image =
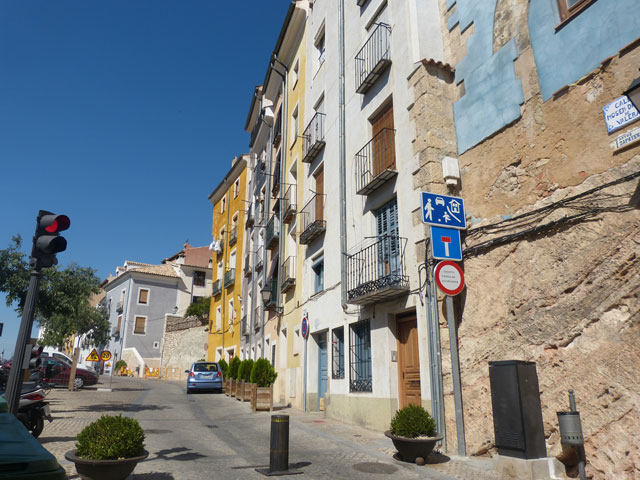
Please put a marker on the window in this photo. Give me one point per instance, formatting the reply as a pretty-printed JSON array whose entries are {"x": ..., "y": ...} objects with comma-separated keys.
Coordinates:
[
  {"x": 296, "y": 341},
  {"x": 143, "y": 296},
  {"x": 569, "y": 8},
  {"x": 156, "y": 344},
  {"x": 119, "y": 323},
  {"x": 236, "y": 188},
  {"x": 318, "y": 273},
  {"x": 295, "y": 72},
  {"x": 337, "y": 353},
  {"x": 218, "y": 317},
  {"x": 360, "y": 357},
  {"x": 389, "y": 259},
  {"x": 198, "y": 278},
  {"x": 273, "y": 354},
  {"x": 140, "y": 327},
  {"x": 232, "y": 312},
  {"x": 195, "y": 298},
  {"x": 320, "y": 47},
  {"x": 381, "y": 15},
  {"x": 223, "y": 204},
  {"x": 294, "y": 125}
]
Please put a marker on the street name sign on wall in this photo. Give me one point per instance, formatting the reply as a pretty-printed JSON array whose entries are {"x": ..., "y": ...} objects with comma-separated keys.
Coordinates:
[
  {"x": 449, "y": 277},
  {"x": 619, "y": 113},
  {"x": 628, "y": 139},
  {"x": 443, "y": 211},
  {"x": 445, "y": 243}
]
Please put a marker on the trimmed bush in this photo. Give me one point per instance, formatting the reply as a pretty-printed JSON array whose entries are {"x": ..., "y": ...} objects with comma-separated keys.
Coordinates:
[
  {"x": 224, "y": 366},
  {"x": 200, "y": 308},
  {"x": 263, "y": 374},
  {"x": 413, "y": 421},
  {"x": 120, "y": 364},
  {"x": 244, "y": 372},
  {"x": 111, "y": 438},
  {"x": 234, "y": 365}
]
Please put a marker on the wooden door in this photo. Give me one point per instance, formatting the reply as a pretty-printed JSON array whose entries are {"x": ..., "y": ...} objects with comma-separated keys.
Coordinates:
[
  {"x": 383, "y": 147},
  {"x": 408, "y": 363},
  {"x": 320, "y": 195}
]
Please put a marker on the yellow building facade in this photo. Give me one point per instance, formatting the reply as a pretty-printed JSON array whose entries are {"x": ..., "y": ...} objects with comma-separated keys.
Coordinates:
[{"x": 229, "y": 215}]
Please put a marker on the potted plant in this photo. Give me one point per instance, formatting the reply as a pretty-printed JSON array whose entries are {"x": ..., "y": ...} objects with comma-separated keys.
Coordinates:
[
  {"x": 234, "y": 365},
  {"x": 120, "y": 364},
  {"x": 244, "y": 377},
  {"x": 262, "y": 377},
  {"x": 223, "y": 368},
  {"x": 413, "y": 433},
  {"x": 108, "y": 449}
]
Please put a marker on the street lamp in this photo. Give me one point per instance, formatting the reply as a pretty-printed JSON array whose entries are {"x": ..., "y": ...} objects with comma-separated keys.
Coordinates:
[
  {"x": 266, "y": 295},
  {"x": 633, "y": 93}
]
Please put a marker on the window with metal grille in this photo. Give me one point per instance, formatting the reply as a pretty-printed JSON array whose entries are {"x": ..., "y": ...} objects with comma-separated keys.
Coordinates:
[
  {"x": 360, "y": 357},
  {"x": 337, "y": 353}
]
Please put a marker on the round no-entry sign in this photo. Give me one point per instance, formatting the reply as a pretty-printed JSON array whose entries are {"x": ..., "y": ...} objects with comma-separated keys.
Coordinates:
[
  {"x": 305, "y": 325},
  {"x": 449, "y": 277}
]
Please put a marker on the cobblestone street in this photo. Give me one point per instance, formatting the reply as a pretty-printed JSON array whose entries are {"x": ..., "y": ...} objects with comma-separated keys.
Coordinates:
[{"x": 214, "y": 436}]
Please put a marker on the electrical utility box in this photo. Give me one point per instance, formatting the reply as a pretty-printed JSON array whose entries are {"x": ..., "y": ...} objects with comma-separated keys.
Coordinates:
[{"x": 517, "y": 413}]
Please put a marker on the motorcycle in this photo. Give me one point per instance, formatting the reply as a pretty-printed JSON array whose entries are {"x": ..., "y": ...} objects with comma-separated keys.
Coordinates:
[{"x": 32, "y": 408}]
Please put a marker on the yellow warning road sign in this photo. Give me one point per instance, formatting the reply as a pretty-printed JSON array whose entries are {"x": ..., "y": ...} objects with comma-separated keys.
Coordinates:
[
  {"x": 93, "y": 356},
  {"x": 105, "y": 356}
]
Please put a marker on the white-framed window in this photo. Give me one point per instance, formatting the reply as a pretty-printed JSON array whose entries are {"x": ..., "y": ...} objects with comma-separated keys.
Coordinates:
[
  {"x": 294, "y": 125},
  {"x": 232, "y": 259},
  {"x": 319, "y": 43},
  {"x": 143, "y": 296},
  {"x": 296, "y": 341},
  {"x": 223, "y": 204},
  {"x": 273, "y": 354},
  {"x": 236, "y": 188},
  {"x": 381, "y": 15},
  {"x": 218, "y": 317},
  {"x": 140, "y": 325},
  {"x": 232, "y": 312},
  {"x": 231, "y": 352},
  {"x": 156, "y": 344},
  {"x": 218, "y": 354},
  {"x": 295, "y": 73},
  {"x": 317, "y": 266}
]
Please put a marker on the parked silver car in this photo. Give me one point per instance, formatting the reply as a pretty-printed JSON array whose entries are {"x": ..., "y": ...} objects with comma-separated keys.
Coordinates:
[{"x": 204, "y": 376}]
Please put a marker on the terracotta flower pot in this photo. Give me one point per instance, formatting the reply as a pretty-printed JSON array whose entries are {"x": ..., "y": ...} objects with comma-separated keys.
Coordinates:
[
  {"x": 411, "y": 448},
  {"x": 104, "y": 469}
]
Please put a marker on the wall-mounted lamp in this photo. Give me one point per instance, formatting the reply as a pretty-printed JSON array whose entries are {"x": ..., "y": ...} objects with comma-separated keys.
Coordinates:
[{"x": 633, "y": 93}]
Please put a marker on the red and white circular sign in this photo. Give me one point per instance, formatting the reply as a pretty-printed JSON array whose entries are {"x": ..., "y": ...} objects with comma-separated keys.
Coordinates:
[{"x": 449, "y": 277}]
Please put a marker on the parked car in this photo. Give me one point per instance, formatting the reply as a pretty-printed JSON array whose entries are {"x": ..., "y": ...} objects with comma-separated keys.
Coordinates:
[
  {"x": 204, "y": 376},
  {"x": 65, "y": 359},
  {"x": 56, "y": 372}
]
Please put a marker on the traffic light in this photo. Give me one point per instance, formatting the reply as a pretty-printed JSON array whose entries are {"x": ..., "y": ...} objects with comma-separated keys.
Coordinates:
[{"x": 47, "y": 240}]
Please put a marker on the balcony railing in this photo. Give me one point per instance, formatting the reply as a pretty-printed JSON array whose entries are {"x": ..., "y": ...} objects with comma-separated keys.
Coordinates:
[
  {"x": 373, "y": 58},
  {"x": 250, "y": 216},
  {"x": 256, "y": 128},
  {"x": 313, "y": 223},
  {"x": 119, "y": 307},
  {"x": 289, "y": 204},
  {"x": 229, "y": 277},
  {"x": 273, "y": 232},
  {"x": 272, "y": 303},
  {"x": 377, "y": 272},
  {"x": 259, "y": 263},
  {"x": 376, "y": 162},
  {"x": 217, "y": 287},
  {"x": 288, "y": 274},
  {"x": 313, "y": 137},
  {"x": 244, "y": 326},
  {"x": 247, "y": 265},
  {"x": 233, "y": 235}
]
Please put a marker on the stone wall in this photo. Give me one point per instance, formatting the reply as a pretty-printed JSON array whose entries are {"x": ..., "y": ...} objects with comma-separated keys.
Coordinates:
[
  {"x": 185, "y": 341},
  {"x": 566, "y": 296}
]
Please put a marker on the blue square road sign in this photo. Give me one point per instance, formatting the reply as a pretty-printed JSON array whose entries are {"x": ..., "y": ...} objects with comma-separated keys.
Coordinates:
[
  {"x": 443, "y": 211},
  {"x": 445, "y": 243}
]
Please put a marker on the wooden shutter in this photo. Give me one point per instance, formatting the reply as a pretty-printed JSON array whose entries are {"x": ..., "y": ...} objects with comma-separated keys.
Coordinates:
[
  {"x": 143, "y": 296},
  {"x": 320, "y": 195},
  {"x": 383, "y": 148},
  {"x": 140, "y": 325}
]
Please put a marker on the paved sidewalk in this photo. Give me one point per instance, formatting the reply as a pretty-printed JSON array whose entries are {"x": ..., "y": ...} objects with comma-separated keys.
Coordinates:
[{"x": 334, "y": 449}]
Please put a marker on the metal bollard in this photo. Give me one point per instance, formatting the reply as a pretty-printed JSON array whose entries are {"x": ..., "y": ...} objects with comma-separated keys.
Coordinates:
[
  {"x": 571, "y": 434},
  {"x": 279, "y": 453}
]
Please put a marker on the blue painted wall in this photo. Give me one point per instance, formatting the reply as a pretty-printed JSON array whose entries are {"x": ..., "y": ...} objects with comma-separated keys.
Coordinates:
[
  {"x": 493, "y": 94},
  {"x": 579, "y": 47}
]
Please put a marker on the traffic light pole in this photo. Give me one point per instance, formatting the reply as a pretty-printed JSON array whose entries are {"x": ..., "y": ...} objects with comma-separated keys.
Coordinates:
[{"x": 14, "y": 384}]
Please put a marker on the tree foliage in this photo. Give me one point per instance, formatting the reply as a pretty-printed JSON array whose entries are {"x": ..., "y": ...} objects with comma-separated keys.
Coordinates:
[
  {"x": 200, "y": 308},
  {"x": 63, "y": 304}
]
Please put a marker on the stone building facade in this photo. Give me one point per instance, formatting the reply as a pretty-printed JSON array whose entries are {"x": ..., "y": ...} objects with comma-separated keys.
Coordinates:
[{"x": 551, "y": 253}]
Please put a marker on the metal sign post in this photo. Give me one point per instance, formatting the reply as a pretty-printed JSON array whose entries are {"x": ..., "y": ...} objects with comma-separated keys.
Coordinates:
[{"x": 455, "y": 374}]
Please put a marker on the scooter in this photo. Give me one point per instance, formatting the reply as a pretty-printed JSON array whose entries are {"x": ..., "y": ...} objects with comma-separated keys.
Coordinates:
[{"x": 32, "y": 409}]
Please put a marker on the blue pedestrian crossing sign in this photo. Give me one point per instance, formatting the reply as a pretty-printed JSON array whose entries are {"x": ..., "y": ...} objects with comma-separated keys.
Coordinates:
[
  {"x": 443, "y": 211},
  {"x": 445, "y": 243}
]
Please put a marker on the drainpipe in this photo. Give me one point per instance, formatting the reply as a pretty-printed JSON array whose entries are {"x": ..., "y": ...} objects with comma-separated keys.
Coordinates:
[{"x": 342, "y": 158}]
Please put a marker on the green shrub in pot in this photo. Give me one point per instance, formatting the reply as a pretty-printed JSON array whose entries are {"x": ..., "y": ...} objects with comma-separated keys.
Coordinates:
[
  {"x": 413, "y": 421},
  {"x": 111, "y": 438},
  {"x": 263, "y": 374}
]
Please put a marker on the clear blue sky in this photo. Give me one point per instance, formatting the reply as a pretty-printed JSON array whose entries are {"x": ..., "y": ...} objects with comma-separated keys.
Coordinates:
[{"x": 124, "y": 115}]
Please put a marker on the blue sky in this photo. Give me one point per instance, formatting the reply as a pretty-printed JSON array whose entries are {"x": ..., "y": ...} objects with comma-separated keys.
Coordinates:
[{"x": 124, "y": 115}]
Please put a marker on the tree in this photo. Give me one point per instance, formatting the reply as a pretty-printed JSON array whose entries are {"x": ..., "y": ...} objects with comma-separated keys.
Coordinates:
[
  {"x": 62, "y": 306},
  {"x": 199, "y": 308}
]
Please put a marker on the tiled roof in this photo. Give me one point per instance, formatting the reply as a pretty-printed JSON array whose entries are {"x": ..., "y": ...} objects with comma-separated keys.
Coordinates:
[
  {"x": 197, "y": 256},
  {"x": 161, "y": 270}
]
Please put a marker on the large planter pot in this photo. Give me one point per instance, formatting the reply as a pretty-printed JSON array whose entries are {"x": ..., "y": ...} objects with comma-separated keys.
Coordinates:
[
  {"x": 261, "y": 398},
  {"x": 248, "y": 391},
  {"x": 240, "y": 391},
  {"x": 233, "y": 387},
  {"x": 411, "y": 448},
  {"x": 104, "y": 469}
]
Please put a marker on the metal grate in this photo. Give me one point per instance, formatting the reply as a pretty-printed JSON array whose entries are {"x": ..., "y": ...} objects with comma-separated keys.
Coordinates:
[
  {"x": 376, "y": 162},
  {"x": 313, "y": 137},
  {"x": 337, "y": 353},
  {"x": 360, "y": 357},
  {"x": 373, "y": 58}
]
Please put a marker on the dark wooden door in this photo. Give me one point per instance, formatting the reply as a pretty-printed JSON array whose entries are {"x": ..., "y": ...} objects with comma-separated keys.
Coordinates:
[
  {"x": 408, "y": 363},
  {"x": 383, "y": 148}
]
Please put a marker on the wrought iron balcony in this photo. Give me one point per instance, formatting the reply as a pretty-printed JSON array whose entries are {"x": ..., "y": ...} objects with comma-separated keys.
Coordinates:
[
  {"x": 272, "y": 303},
  {"x": 273, "y": 232},
  {"x": 377, "y": 272},
  {"x": 256, "y": 128},
  {"x": 250, "y": 216},
  {"x": 376, "y": 162},
  {"x": 313, "y": 137},
  {"x": 288, "y": 274},
  {"x": 373, "y": 58},
  {"x": 119, "y": 307},
  {"x": 289, "y": 206},
  {"x": 217, "y": 287},
  {"x": 233, "y": 235},
  {"x": 247, "y": 265},
  {"x": 277, "y": 130},
  {"x": 259, "y": 263},
  {"x": 229, "y": 277},
  {"x": 313, "y": 223}
]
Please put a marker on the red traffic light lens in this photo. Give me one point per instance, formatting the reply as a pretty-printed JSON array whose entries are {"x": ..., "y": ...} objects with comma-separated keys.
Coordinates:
[{"x": 56, "y": 223}]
